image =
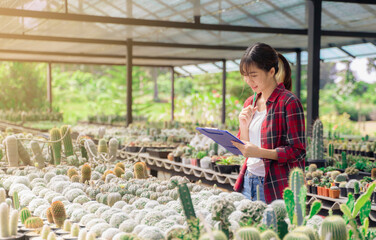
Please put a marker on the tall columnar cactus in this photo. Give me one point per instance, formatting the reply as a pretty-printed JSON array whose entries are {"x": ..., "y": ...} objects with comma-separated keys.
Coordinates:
[
  {"x": 83, "y": 149},
  {"x": 56, "y": 146},
  {"x": 23, "y": 153},
  {"x": 186, "y": 201},
  {"x": 317, "y": 146},
  {"x": 356, "y": 187},
  {"x": 3, "y": 195},
  {"x": 139, "y": 170},
  {"x": 331, "y": 150},
  {"x": 4, "y": 220},
  {"x": 67, "y": 225},
  {"x": 45, "y": 231},
  {"x": 101, "y": 132},
  {"x": 11, "y": 145},
  {"x": 279, "y": 208},
  {"x": 102, "y": 146},
  {"x": 296, "y": 183},
  {"x": 16, "y": 201},
  {"x": 67, "y": 140},
  {"x": 86, "y": 172},
  {"x": 334, "y": 226},
  {"x": 58, "y": 213},
  {"x": 24, "y": 215},
  {"x": 34, "y": 222},
  {"x": 247, "y": 233},
  {"x": 269, "y": 235},
  {"x": 344, "y": 160},
  {"x": 113, "y": 146},
  {"x": 38, "y": 156},
  {"x": 270, "y": 218},
  {"x": 91, "y": 148}
]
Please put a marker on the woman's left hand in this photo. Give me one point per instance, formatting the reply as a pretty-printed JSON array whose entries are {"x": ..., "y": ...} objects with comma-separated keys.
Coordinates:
[{"x": 248, "y": 149}]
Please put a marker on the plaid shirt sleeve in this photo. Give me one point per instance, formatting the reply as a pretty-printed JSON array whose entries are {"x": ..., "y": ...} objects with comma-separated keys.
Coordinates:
[{"x": 295, "y": 135}]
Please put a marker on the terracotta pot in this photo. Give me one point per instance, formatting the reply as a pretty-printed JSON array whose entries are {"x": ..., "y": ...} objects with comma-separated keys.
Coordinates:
[
  {"x": 319, "y": 190},
  {"x": 325, "y": 192},
  {"x": 170, "y": 157},
  {"x": 334, "y": 193}
]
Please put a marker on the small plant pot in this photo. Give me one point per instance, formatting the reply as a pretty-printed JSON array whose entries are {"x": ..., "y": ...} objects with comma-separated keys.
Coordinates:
[
  {"x": 374, "y": 197},
  {"x": 356, "y": 196},
  {"x": 198, "y": 162},
  {"x": 357, "y": 152},
  {"x": 334, "y": 193},
  {"x": 309, "y": 188},
  {"x": 326, "y": 192},
  {"x": 343, "y": 191},
  {"x": 225, "y": 169},
  {"x": 213, "y": 166},
  {"x": 132, "y": 149},
  {"x": 336, "y": 151},
  {"x": 177, "y": 159},
  {"x": 319, "y": 190},
  {"x": 314, "y": 189},
  {"x": 350, "y": 190},
  {"x": 194, "y": 161},
  {"x": 337, "y": 184}
]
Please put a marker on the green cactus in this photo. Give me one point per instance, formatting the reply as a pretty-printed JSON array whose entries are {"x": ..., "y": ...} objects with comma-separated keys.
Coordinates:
[
  {"x": 269, "y": 235},
  {"x": 279, "y": 208},
  {"x": 341, "y": 178},
  {"x": 308, "y": 231},
  {"x": 38, "y": 156},
  {"x": 86, "y": 173},
  {"x": 67, "y": 140},
  {"x": 34, "y": 222},
  {"x": 56, "y": 146},
  {"x": 315, "y": 209},
  {"x": 356, "y": 187},
  {"x": 312, "y": 168},
  {"x": 215, "y": 235},
  {"x": 140, "y": 170},
  {"x": 270, "y": 218},
  {"x": 317, "y": 145},
  {"x": 24, "y": 215},
  {"x": 296, "y": 236},
  {"x": 186, "y": 201},
  {"x": 246, "y": 233},
  {"x": 58, "y": 213},
  {"x": 23, "y": 153},
  {"x": 344, "y": 160},
  {"x": 296, "y": 183},
  {"x": 113, "y": 146},
  {"x": 16, "y": 201},
  {"x": 334, "y": 226},
  {"x": 102, "y": 146}
]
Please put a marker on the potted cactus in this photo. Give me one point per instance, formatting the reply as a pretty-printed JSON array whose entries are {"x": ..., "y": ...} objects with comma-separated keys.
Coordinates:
[
  {"x": 352, "y": 172},
  {"x": 315, "y": 181},
  {"x": 343, "y": 189},
  {"x": 356, "y": 190},
  {"x": 334, "y": 192},
  {"x": 317, "y": 145}
]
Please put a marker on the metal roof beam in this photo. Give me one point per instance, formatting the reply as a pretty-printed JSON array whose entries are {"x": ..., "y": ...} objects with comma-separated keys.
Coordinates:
[{"x": 353, "y": 1}]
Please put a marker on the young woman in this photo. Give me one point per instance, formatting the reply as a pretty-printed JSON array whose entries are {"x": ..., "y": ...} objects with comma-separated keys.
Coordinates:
[{"x": 273, "y": 130}]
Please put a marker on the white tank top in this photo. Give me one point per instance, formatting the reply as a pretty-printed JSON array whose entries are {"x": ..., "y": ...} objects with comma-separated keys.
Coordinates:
[{"x": 256, "y": 165}]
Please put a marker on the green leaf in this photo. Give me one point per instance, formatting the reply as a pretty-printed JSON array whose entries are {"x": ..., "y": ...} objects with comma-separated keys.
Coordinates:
[
  {"x": 288, "y": 196},
  {"x": 346, "y": 210},
  {"x": 365, "y": 211},
  {"x": 362, "y": 200},
  {"x": 350, "y": 201}
]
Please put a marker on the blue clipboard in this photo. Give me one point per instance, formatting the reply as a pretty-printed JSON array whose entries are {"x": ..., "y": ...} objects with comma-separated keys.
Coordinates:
[{"x": 223, "y": 138}]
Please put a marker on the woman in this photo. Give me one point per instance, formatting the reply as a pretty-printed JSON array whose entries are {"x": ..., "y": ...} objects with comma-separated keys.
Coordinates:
[{"x": 273, "y": 130}]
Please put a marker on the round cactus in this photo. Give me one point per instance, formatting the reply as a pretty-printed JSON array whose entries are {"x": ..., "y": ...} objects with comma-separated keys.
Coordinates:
[
  {"x": 246, "y": 233},
  {"x": 140, "y": 170},
  {"x": 34, "y": 222},
  {"x": 24, "y": 215},
  {"x": 269, "y": 235},
  {"x": 102, "y": 146},
  {"x": 307, "y": 231},
  {"x": 71, "y": 172},
  {"x": 50, "y": 218},
  {"x": 118, "y": 171},
  {"x": 334, "y": 226},
  {"x": 58, "y": 213},
  {"x": 216, "y": 235},
  {"x": 12, "y": 150}
]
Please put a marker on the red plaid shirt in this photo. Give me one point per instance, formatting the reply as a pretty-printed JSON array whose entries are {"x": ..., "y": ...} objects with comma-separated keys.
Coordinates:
[{"x": 284, "y": 130}]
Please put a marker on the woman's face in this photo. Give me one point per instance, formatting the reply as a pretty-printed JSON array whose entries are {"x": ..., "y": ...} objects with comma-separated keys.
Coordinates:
[{"x": 258, "y": 79}]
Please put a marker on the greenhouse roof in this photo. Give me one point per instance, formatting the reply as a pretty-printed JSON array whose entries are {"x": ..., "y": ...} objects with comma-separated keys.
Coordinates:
[{"x": 193, "y": 35}]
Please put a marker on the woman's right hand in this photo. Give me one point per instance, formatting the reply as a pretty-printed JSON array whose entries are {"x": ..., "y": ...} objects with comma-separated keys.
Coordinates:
[{"x": 245, "y": 116}]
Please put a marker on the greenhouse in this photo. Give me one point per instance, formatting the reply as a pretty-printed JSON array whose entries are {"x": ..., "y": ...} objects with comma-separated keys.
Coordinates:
[{"x": 199, "y": 119}]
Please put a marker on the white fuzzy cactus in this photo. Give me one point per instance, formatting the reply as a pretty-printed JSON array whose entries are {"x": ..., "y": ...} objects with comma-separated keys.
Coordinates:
[
  {"x": 38, "y": 156},
  {"x": 75, "y": 230},
  {"x": 113, "y": 146},
  {"x": 4, "y": 220},
  {"x": 12, "y": 150},
  {"x": 101, "y": 132},
  {"x": 3, "y": 195},
  {"x": 67, "y": 225},
  {"x": 51, "y": 236},
  {"x": 45, "y": 232},
  {"x": 13, "y": 223},
  {"x": 82, "y": 235},
  {"x": 90, "y": 236},
  {"x": 91, "y": 149}
]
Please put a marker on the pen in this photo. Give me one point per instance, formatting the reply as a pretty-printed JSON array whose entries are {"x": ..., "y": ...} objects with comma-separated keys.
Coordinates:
[{"x": 254, "y": 99}]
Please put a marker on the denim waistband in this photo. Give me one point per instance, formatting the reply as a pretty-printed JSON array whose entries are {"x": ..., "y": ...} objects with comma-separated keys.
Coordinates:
[{"x": 250, "y": 175}]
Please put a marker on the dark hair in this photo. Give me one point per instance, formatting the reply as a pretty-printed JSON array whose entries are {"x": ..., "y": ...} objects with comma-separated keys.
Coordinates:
[{"x": 265, "y": 58}]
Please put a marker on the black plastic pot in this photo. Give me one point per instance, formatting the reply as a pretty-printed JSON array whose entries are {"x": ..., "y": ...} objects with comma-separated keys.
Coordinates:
[
  {"x": 314, "y": 190},
  {"x": 198, "y": 162},
  {"x": 356, "y": 196},
  {"x": 353, "y": 176},
  {"x": 177, "y": 159},
  {"x": 225, "y": 169},
  {"x": 337, "y": 184},
  {"x": 374, "y": 197},
  {"x": 343, "y": 191},
  {"x": 319, "y": 163},
  {"x": 213, "y": 166},
  {"x": 336, "y": 151},
  {"x": 370, "y": 154},
  {"x": 309, "y": 188},
  {"x": 350, "y": 190}
]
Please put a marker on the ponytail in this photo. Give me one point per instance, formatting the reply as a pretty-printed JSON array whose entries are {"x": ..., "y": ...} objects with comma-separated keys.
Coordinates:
[{"x": 284, "y": 72}]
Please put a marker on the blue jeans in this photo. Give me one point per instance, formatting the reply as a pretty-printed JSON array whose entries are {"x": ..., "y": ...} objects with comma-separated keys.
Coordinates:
[{"x": 250, "y": 187}]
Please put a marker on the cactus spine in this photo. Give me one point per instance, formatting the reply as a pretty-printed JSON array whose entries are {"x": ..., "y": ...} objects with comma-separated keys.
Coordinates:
[
  {"x": 16, "y": 201},
  {"x": 331, "y": 150},
  {"x": 118, "y": 171},
  {"x": 58, "y": 213},
  {"x": 86, "y": 172},
  {"x": 56, "y": 146},
  {"x": 334, "y": 226},
  {"x": 82, "y": 235},
  {"x": 344, "y": 160},
  {"x": 4, "y": 220},
  {"x": 50, "y": 218},
  {"x": 296, "y": 236},
  {"x": 113, "y": 146},
  {"x": 23, "y": 153},
  {"x": 13, "y": 223},
  {"x": 270, "y": 218},
  {"x": 24, "y": 215},
  {"x": 306, "y": 231},
  {"x": 356, "y": 187},
  {"x": 71, "y": 172},
  {"x": 38, "y": 156},
  {"x": 67, "y": 140},
  {"x": 317, "y": 145},
  {"x": 34, "y": 222},
  {"x": 186, "y": 201},
  {"x": 139, "y": 170},
  {"x": 12, "y": 150},
  {"x": 296, "y": 183},
  {"x": 246, "y": 233},
  {"x": 102, "y": 146}
]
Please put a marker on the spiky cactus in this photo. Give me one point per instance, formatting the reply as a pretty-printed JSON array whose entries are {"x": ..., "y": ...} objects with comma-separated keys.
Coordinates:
[
  {"x": 91, "y": 148},
  {"x": 83, "y": 149},
  {"x": 50, "y": 218},
  {"x": 317, "y": 145},
  {"x": 82, "y": 234},
  {"x": 356, "y": 187},
  {"x": 120, "y": 165},
  {"x": 335, "y": 227},
  {"x": 86, "y": 172},
  {"x": 308, "y": 231},
  {"x": 118, "y": 171},
  {"x": 75, "y": 178},
  {"x": 4, "y": 220},
  {"x": 58, "y": 213},
  {"x": 67, "y": 225},
  {"x": 270, "y": 218},
  {"x": 215, "y": 235},
  {"x": 331, "y": 150},
  {"x": 344, "y": 160},
  {"x": 67, "y": 140},
  {"x": 24, "y": 215},
  {"x": 16, "y": 200},
  {"x": 139, "y": 170},
  {"x": 11, "y": 145},
  {"x": 71, "y": 172},
  {"x": 23, "y": 153},
  {"x": 56, "y": 146},
  {"x": 269, "y": 235},
  {"x": 296, "y": 183},
  {"x": 247, "y": 233},
  {"x": 3, "y": 195},
  {"x": 102, "y": 146},
  {"x": 113, "y": 198},
  {"x": 296, "y": 236},
  {"x": 101, "y": 132},
  {"x": 279, "y": 208},
  {"x": 38, "y": 156},
  {"x": 51, "y": 236},
  {"x": 113, "y": 146},
  {"x": 34, "y": 222}
]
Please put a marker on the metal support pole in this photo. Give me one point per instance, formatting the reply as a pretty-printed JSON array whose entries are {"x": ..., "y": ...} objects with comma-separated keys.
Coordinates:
[
  {"x": 129, "y": 82},
  {"x": 314, "y": 44},
  {"x": 224, "y": 92},
  {"x": 49, "y": 86},
  {"x": 298, "y": 82},
  {"x": 172, "y": 93}
]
